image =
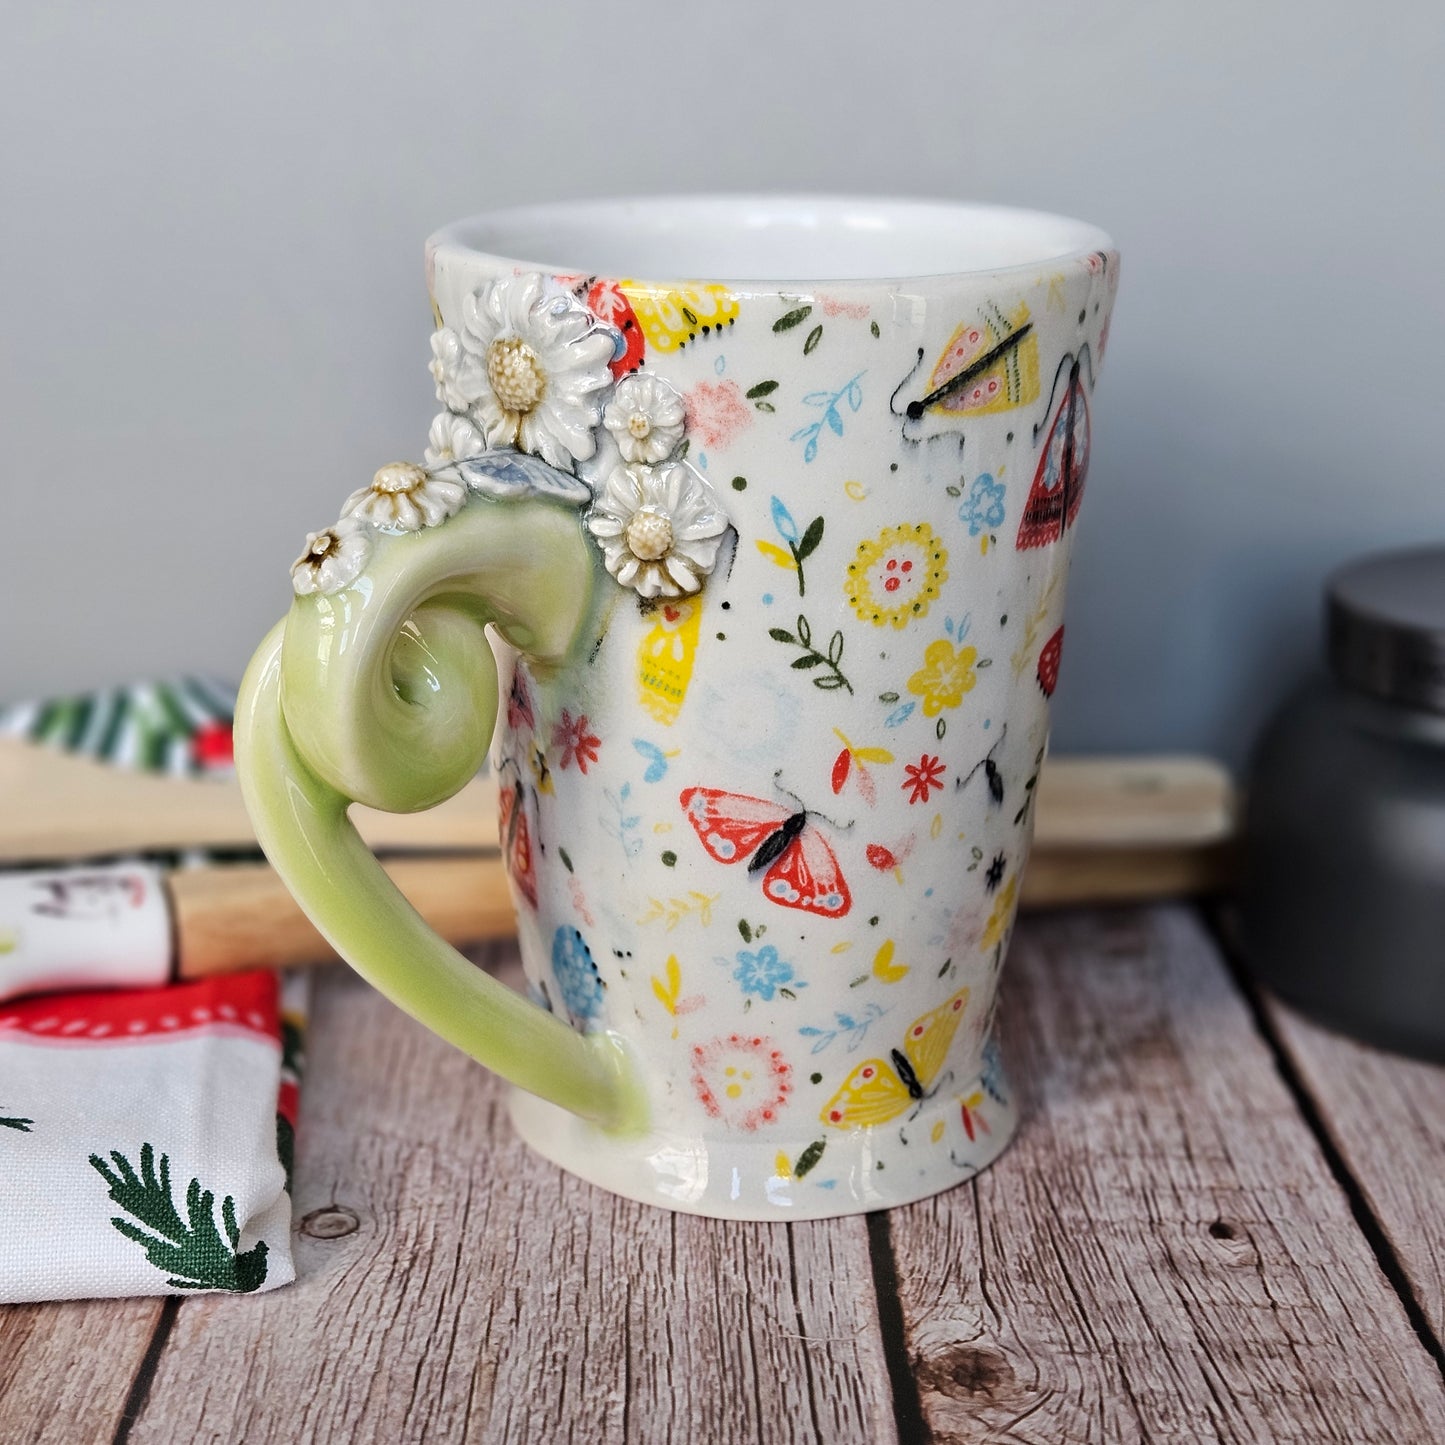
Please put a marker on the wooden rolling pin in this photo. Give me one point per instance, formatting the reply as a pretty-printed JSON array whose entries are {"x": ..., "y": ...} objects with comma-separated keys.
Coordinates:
[
  {"x": 241, "y": 916},
  {"x": 1108, "y": 830}
]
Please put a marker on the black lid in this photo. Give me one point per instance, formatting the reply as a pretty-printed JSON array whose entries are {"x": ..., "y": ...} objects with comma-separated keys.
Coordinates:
[{"x": 1386, "y": 621}]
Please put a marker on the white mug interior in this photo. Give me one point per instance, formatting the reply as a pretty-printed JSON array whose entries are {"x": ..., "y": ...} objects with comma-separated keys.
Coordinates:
[{"x": 765, "y": 240}]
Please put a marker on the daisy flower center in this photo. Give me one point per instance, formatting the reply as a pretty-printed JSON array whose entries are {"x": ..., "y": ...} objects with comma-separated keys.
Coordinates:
[
  {"x": 397, "y": 477},
  {"x": 649, "y": 534},
  {"x": 640, "y": 425},
  {"x": 515, "y": 374}
]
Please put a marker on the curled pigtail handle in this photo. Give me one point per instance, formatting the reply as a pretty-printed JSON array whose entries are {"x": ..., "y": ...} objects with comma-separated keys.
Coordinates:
[{"x": 383, "y": 691}]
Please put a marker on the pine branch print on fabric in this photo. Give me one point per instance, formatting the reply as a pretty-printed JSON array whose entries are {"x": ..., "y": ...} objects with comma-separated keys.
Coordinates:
[{"x": 192, "y": 1252}]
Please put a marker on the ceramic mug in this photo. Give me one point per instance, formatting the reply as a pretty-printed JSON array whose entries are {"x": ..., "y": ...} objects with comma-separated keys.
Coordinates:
[{"x": 774, "y": 562}]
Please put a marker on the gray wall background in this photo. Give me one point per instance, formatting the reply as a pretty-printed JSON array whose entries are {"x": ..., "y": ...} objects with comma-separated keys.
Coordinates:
[{"x": 213, "y": 322}]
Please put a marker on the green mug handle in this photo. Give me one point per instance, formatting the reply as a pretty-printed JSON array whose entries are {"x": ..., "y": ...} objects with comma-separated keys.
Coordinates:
[{"x": 385, "y": 693}]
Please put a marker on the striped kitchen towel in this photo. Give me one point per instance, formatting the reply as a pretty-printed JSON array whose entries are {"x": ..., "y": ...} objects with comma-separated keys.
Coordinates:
[{"x": 180, "y": 726}]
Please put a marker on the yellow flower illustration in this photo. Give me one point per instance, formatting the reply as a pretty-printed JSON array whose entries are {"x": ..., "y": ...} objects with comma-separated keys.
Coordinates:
[
  {"x": 893, "y": 577},
  {"x": 1002, "y": 917},
  {"x": 945, "y": 676}
]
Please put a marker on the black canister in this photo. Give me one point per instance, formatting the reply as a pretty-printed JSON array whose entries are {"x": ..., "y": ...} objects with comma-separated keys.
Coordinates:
[{"x": 1343, "y": 894}]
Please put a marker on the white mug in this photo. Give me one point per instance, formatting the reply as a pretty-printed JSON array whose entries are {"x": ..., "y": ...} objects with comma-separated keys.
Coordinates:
[{"x": 769, "y": 502}]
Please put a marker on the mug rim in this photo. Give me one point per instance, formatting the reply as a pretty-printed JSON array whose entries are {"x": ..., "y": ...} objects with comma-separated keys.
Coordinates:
[{"x": 499, "y": 238}]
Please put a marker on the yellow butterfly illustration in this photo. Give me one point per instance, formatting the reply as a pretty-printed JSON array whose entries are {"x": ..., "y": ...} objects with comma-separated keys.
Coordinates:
[
  {"x": 671, "y": 317},
  {"x": 881, "y": 1089}
]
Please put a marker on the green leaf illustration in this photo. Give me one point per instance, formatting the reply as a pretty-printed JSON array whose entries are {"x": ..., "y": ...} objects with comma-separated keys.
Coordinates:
[
  {"x": 192, "y": 1252},
  {"x": 793, "y": 318},
  {"x": 832, "y": 678},
  {"x": 809, "y": 1157},
  {"x": 814, "y": 337},
  {"x": 21, "y": 1125},
  {"x": 808, "y": 544},
  {"x": 763, "y": 388}
]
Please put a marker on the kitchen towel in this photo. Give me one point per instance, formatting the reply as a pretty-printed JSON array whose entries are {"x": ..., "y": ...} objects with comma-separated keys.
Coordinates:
[
  {"x": 146, "y": 1134},
  {"x": 146, "y": 1139}
]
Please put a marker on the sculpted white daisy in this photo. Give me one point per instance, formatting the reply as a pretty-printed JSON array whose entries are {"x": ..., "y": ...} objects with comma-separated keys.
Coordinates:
[
  {"x": 545, "y": 358},
  {"x": 660, "y": 527},
  {"x": 460, "y": 375},
  {"x": 406, "y": 498},
  {"x": 452, "y": 438},
  {"x": 333, "y": 558},
  {"x": 645, "y": 416}
]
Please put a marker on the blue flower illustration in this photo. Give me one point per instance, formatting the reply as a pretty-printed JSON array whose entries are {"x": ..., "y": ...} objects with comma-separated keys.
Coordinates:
[
  {"x": 577, "y": 976},
  {"x": 992, "y": 1077},
  {"x": 763, "y": 972},
  {"x": 983, "y": 508}
]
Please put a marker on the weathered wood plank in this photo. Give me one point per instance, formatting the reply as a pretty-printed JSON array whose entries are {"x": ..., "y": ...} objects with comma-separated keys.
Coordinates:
[
  {"x": 1164, "y": 1254},
  {"x": 486, "y": 1295},
  {"x": 1385, "y": 1115},
  {"x": 67, "y": 1368}
]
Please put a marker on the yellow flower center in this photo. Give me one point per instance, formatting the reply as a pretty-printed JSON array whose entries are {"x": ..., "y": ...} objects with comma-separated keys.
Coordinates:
[
  {"x": 515, "y": 374},
  {"x": 649, "y": 534},
  {"x": 640, "y": 425},
  {"x": 397, "y": 477}
]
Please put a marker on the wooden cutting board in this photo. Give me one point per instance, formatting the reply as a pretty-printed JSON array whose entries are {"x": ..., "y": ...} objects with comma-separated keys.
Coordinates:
[
  {"x": 1107, "y": 830},
  {"x": 55, "y": 806}
]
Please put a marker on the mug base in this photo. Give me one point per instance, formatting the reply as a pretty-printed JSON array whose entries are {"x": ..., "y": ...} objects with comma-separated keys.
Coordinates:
[{"x": 827, "y": 1172}]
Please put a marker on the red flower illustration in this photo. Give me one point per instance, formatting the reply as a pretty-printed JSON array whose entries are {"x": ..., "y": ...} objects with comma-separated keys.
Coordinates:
[
  {"x": 576, "y": 744},
  {"x": 921, "y": 778},
  {"x": 716, "y": 412},
  {"x": 744, "y": 1082}
]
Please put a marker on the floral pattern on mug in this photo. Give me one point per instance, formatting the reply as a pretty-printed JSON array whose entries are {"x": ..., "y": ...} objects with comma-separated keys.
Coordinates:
[
  {"x": 332, "y": 559},
  {"x": 660, "y": 528},
  {"x": 717, "y": 413},
  {"x": 536, "y": 362},
  {"x": 894, "y": 577},
  {"x": 575, "y": 742},
  {"x": 983, "y": 509},
  {"x": 762, "y": 973},
  {"x": 452, "y": 438},
  {"x": 922, "y": 778},
  {"x": 744, "y": 1082},
  {"x": 645, "y": 417},
  {"x": 577, "y": 977},
  {"x": 404, "y": 497},
  {"x": 946, "y": 675}
]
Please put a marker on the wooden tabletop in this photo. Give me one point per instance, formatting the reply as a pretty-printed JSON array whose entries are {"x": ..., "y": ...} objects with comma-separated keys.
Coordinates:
[{"x": 1219, "y": 1222}]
